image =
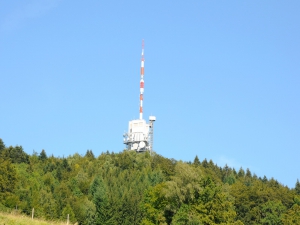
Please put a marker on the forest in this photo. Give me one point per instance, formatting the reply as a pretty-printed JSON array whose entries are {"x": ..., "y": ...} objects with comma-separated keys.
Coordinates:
[{"x": 139, "y": 188}]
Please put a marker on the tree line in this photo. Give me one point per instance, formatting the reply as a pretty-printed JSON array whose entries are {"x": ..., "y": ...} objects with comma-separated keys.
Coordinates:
[{"x": 134, "y": 188}]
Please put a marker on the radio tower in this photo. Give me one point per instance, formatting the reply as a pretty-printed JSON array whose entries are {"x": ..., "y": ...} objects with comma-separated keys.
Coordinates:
[
  {"x": 142, "y": 82},
  {"x": 140, "y": 134}
]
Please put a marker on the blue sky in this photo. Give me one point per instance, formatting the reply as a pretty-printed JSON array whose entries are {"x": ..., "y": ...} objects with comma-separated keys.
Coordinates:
[{"x": 222, "y": 78}]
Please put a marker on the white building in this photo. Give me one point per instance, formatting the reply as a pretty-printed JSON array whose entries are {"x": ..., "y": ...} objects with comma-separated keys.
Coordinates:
[{"x": 140, "y": 135}]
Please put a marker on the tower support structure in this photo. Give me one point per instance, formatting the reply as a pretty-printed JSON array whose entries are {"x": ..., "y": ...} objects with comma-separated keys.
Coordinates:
[{"x": 140, "y": 133}]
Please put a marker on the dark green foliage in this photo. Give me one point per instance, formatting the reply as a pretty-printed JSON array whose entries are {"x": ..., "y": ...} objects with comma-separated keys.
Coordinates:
[
  {"x": 89, "y": 154},
  {"x": 196, "y": 161},
  {"x": 131, "y": 188},
  {"x": 68, "y": 211},
  {"x": 188, "y": 199},
  {"x": 271, "y": 213},
  {"x": 43, "y": 155},
  {"x": 2, "y": 145},
  {"x": 8, "y": 177},
  {"x": 241, "y": 173},
  {"x": 167, "y": 166},
  {"x": 205, "y": 163},
  {"x": 98, "y": 191},
  {"x": 15, "y": 154},
  {"x": 264, "y": 179},
  {"x": 292, "y": 216},
  {"x": 248, "y": 173},
  {"x": 297, "y": 187}
]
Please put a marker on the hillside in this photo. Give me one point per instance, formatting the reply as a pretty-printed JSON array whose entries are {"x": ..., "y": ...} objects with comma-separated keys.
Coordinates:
[{"x": 131, "y": 188}]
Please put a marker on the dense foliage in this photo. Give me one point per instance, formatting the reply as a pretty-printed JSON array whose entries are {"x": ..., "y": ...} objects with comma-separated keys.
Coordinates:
[{"x": 132, "y": 188}]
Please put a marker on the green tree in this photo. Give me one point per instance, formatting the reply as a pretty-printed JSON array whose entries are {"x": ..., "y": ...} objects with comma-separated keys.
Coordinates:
[
  {"x": 8, "y": 177},
  {"x": 84, "y": 210},
  {"x": 61, "y": 194},
  {"x": 230, "y": 179},
  {"x": 167, "y": 166},
  {"x": 183, "y": 216},
  {"x": 154, "y": 205},
  {"x": 241, "y": 173},
  {"x": 205, "y": 163},
  {"x": 272, "y": 212},
  {"x": 89, "y": 154},
  {"x": 188, "y": 198},
  {"x": 292, "y": 216},
  {"x": 2, "y": 145},
  {"x": 16, "y": 154},
  {"x": 197, "y": 161},
  {"x": 98, "y": 190},
  {"x": 214, "y": 205},
  {"x": 43, "y": 155},
  {"x": 265, "y": 179},
  {"x": 68, "y": 211},
  {"x": 248, "y": 173},
  {"x": 297, "y": 187},
  {"x": 48, "y": 204}
]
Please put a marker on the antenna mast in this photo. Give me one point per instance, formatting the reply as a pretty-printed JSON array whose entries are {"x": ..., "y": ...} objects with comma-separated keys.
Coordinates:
[
  {"x": 142, "y": 82},
  {"x": 140, "y": 133}
]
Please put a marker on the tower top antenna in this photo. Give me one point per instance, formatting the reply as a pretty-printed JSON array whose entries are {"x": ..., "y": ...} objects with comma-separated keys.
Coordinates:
[
  {"x": 142, "y": 82},
  {"x": 140, "y": 133}
]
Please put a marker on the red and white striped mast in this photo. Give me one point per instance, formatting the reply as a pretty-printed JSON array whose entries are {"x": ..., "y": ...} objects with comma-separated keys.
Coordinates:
[{"x": 142, "y": 82}]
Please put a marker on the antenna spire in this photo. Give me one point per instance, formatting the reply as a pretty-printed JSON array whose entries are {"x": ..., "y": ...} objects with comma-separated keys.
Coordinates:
[
  {"x": 142, "y": 82},
  {"x": 140, "y": 133}
]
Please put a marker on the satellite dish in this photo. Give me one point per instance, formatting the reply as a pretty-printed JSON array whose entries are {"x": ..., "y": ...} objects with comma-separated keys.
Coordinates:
[
  {"x": 142, "y": 144},
  {"x": 135, "y": 146}
]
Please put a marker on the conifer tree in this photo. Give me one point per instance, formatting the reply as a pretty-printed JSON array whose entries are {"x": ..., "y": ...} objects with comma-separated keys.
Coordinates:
[
  {"x": 8, "y": 176},
  {"x": 16, "y": 154},
  {"x": 205, "y": 163},
  {"x": 241, "y": 172},
  {"x": 196, "y": 161},
  {"x": 99, "y": 192},
  {"x": 89, "y": 154},
  {"x": 248, "y": 173},
  {"x": 265, "y": 179},
  {"x": 2, "y": 145},
  {"x": 68, "y": 211},
  {"x": 297, "y": 187},
  {"x": 43, "y": 155}
]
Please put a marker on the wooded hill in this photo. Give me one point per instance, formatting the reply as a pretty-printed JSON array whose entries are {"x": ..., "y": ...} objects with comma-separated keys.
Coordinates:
[{"x": 131, "y": 188}]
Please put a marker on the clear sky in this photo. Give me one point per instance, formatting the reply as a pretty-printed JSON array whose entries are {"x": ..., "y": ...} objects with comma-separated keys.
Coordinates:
[{"x": 222, "y": 78}]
